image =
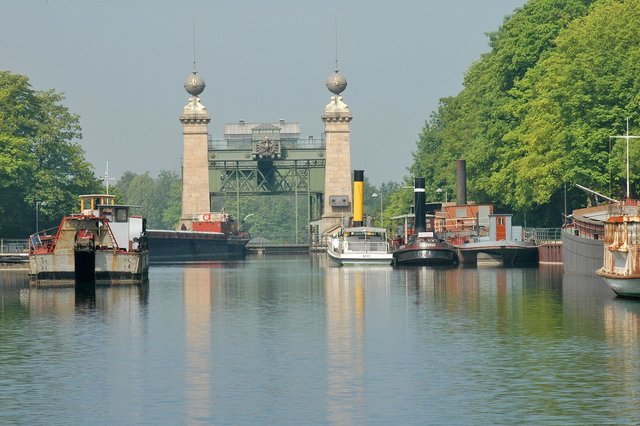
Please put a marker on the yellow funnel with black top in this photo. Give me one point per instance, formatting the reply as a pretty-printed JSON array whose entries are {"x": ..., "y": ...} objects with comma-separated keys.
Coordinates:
[{"x": 358, "y": 197}]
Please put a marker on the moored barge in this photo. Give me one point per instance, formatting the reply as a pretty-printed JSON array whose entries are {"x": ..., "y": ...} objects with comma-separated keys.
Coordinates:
[
  {"x": 213, "y": 237},
  {"x": 103, "y": 244}
]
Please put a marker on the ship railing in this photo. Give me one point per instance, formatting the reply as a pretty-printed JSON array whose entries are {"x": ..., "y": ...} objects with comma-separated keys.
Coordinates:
[
  {"x": 460, "y": 224},
  {"x": 13, "y": 246},
  {"x": 542, "y": 235},
  {"x": 35, "y": 240},
  {"x": 247, "y": 144},
  {"x": 365, "y": 246}
]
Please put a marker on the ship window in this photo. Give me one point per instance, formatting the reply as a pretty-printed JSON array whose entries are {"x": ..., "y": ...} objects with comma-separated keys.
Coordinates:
[
  {"x": 106, "y": 211},
  {"x": 121, "y": 214}
]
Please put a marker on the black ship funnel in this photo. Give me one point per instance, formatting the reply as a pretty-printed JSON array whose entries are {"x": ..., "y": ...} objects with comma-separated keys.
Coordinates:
[
  {"x": 461, "y": 182},
  {"x": 419, "y": 223}
]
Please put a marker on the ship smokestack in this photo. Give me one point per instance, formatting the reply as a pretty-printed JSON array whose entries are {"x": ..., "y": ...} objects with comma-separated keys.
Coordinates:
[
  {"x": 419, "y": 223},
  {"x": 461, "y": 182},
  {"x": 358, "y": 196}
]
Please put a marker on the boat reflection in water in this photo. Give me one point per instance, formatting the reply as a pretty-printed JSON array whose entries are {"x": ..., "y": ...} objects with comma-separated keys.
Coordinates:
[
  {"x": 600, "y": 315},
  {"x": 85, "y": 299},
  {"x": 346, "y": 302},
  {"x": 345, "y": 346}
]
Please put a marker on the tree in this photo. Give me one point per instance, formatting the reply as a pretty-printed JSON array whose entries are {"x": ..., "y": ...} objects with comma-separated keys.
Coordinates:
[
  {"x": 478, "y": 124},
  {"x": 39, "y": 158},
  {"x": 573, "y": 101},
  {"x": 160, "y": 199}
]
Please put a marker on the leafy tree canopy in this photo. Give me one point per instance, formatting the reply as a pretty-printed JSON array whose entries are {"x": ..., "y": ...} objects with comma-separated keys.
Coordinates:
[
  {"x": 40, "y": 160},
  {"x": 538, "y": 110}
]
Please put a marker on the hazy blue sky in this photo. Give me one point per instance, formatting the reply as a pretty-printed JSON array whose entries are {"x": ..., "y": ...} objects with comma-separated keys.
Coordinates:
[{"x": 122, "y": 66}]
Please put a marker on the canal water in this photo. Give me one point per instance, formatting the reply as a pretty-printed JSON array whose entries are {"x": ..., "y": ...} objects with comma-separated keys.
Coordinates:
[{"x": 293, "y": 340}]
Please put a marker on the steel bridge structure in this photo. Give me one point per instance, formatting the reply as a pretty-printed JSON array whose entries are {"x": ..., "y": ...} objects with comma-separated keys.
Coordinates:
[{"x": 267, "y": 162}]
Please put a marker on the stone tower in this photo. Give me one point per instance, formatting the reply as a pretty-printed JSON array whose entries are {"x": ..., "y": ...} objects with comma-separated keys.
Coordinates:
[
  {"x": 337, "y": 181},
  {"x": 195, "y": 158}
]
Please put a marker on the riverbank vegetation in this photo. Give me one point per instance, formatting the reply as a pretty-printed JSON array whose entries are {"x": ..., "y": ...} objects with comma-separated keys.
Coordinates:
[{"x": 537, "y": 111}]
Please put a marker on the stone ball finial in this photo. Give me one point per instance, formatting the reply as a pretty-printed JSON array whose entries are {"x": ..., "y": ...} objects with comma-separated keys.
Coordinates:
[
  {"x": 194, "y": 84},
  {"x": 336, "y": 83}
]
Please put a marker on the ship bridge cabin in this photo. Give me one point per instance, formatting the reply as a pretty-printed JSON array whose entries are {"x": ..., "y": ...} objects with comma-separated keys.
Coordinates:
[{"x": 124, "y": 227}]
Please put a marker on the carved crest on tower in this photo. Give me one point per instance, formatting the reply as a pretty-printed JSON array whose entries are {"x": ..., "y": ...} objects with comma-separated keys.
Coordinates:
[{"x": 266, "y": 148}]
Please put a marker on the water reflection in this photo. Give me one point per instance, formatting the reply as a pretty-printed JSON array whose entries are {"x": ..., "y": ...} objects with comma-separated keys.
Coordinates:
[
  {"x": 345, "y": 328},
  {"x": 68, "y": 301},
  {"x": 197, "y": 305},
  {"x": 16, "y": 289},
  {"x": 85, "y": 297},
  {"x": 347, "y": 297},
  {"x": 289, "y": 340}
]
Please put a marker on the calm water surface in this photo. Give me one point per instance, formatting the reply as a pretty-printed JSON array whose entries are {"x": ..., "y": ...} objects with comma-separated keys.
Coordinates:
[{"x": 292, "y": 340}]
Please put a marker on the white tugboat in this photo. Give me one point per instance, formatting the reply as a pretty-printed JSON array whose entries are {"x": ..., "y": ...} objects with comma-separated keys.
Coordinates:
[
  {"x": 103, "y": 244},
  {"x": 360, "y": 245}
]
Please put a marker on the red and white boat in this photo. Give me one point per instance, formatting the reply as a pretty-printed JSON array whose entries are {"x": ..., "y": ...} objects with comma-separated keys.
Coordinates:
[{"x": 103, "y": 244}]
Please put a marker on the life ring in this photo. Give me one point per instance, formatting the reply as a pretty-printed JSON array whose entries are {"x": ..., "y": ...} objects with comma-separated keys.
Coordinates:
[{"x": 206, "y": 217}]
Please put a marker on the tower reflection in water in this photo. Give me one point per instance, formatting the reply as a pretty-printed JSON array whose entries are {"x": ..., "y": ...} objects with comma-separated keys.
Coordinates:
[
  {"x": 197, "y": 306},
  {"x": 345, "y": 311}
]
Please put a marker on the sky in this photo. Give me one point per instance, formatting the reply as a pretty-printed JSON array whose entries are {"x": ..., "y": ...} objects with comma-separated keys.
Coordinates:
[{"x": 122, "y": 64}]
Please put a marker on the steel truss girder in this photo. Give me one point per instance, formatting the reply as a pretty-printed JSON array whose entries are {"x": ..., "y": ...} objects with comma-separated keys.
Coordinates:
[{"x": 252, "y": 177}]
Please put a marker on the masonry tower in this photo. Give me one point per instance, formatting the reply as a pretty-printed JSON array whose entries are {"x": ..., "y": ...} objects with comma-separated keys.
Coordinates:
[
  {"x": 337, "y": 180},
  {"x": 195, "y": 164}
]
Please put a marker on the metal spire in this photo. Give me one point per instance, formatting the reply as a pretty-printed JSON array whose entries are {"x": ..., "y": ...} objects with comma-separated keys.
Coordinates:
[
  {"x": 194, "y": 45},
  {"x": 336, "y": 30}
]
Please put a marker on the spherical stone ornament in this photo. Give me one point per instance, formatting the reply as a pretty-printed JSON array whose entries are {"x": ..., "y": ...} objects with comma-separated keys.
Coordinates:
[
  {"x": 336, "y": 83},
  {"x": 194, "y": 84}
]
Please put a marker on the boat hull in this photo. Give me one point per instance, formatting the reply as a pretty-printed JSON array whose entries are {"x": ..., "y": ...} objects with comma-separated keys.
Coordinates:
[
  {"x": 59, "y": 268},
  {"x": 193, "y": 246},
  {"x": 581, "y": 255},
  {"x": 509, "y": 253},
  {"x": 352, "y": 259},
  {"x": 425, "y": 254},
  {"x": 624, "y": 286}
]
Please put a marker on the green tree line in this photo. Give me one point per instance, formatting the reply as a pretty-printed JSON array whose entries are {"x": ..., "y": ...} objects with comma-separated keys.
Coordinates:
[{"x": 537, "y": 111}]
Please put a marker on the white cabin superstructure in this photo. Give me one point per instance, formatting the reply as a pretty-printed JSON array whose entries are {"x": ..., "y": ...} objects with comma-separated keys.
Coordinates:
[{"x": 360, "y": 245}]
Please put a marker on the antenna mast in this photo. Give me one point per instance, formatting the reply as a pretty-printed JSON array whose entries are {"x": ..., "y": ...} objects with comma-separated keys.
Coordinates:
[
  {"x": 106, "y": 177},
  {"x": 627, "y": 137}
]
